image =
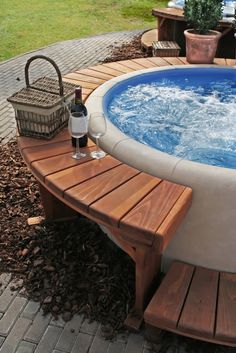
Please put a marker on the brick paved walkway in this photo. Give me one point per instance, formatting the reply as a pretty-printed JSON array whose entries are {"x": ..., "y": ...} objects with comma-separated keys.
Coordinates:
[
  {"x": 69, "y": 56},
  {"x": 23, "y": 328}
]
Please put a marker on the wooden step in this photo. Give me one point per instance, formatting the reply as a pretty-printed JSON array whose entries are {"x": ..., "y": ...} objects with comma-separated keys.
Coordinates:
[{"x": 196, "y": 302}]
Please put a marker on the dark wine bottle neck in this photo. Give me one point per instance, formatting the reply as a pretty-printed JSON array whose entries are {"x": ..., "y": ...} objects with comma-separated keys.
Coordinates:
[{"x": 78, "y": 100}]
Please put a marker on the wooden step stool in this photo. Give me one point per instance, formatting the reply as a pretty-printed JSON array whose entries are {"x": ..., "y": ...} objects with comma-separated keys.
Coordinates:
[{"x": 195, "y": 302}]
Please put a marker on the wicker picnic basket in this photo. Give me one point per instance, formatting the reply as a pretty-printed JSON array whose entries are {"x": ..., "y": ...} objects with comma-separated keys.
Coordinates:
[{"x": 41, "y": 108}]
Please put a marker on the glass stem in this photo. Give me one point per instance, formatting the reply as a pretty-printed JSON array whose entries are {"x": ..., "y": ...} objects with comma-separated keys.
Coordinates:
[
  {"x": 97, "y": 144},
  {"x": 77, "y": 149}
]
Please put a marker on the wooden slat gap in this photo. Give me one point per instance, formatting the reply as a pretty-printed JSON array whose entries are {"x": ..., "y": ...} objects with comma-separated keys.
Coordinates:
[
  {"x": 94, "y": 176},
  {"x": 172, "y": 207},
  {"x": 91, "y": 148},
  {"x": 158, "y": 183},
  {"x": 190, "y": 283},
  {"x": 108, "y": 192},
  {"x": 217, "y": 297}
]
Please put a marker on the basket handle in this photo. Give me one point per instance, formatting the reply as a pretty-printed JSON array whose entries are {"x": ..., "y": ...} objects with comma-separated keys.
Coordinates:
[{"x": 61, "y": 88}]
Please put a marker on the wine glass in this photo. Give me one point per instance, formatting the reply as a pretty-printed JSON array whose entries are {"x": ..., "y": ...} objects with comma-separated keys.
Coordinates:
[
  {"x": 78, "y": 127},
  {"x": 97, "y": 127}
]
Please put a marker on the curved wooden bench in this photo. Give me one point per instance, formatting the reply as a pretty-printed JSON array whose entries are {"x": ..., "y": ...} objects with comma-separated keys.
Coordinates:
[{"x": 142, "y": 212}]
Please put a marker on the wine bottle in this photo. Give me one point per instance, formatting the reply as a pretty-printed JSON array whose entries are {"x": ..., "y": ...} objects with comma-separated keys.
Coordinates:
[{"x": 78, "y": 106}]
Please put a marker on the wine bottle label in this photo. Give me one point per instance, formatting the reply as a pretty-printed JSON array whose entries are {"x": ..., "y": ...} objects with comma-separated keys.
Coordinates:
[{"x": 78, "y": 125}]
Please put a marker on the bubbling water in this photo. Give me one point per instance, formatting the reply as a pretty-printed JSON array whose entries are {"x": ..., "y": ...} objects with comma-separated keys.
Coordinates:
[{"x": 194, "y": 122}]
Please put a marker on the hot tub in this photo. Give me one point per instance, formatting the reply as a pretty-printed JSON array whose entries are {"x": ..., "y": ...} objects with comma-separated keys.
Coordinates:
[{"x": 208, "y": 235}]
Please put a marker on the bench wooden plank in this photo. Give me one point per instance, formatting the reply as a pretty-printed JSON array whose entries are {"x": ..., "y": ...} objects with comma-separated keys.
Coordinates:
[
  {"x": 90, "y": 191},
  {"x": 144, "y": 62},
  {"x": 231, "y": 62},
  {"x": 85, "y": 169},
  {"x": 159, "y": 61},
  {"x": 96, "y": 73},
  {"x": 170, "y": 224},
  {"x": 147, "y": 216},
  {"x": 164, "y": 310},
  {"x": 88, "y": 78},
  {"x": 74, "y": 79},
  {"x": 108, "y": 70},
  {"x": 119, "y": 202},
  {"x": 119, "y": 66},
  {"x": 174, "y": 61},
  {"x": 198, "y": 315},
  {"x": 226, "y": 311},
  {"x": 54, "y": 164},
  {"x": 47, "y": 150},
  {"x": 133, "y": 65},
  {"x": 28, "y": 142}
]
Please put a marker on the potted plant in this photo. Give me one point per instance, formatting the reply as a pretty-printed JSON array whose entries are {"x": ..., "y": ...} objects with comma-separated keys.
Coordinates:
[{"x": 202, "y": 16}]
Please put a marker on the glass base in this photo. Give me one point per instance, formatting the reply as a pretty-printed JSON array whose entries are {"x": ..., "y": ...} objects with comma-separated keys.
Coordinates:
[
  {"x": 78, "y": 155},
  {"x": 98, "y": 154}
]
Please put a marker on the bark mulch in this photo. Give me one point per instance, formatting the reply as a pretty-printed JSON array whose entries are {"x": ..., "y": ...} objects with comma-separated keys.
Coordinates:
[{"x": 69, "y": 267}]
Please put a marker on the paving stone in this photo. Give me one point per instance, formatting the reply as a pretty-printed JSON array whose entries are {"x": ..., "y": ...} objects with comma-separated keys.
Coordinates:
[
  {"x": 11, "y": 342},
  {"x": 69, "y": 333},
  {"x": 116, "y": 347},
  {"x": 11, "y": 315},
  {"x": 89, "y": 327},
  {"x": 134, "y": 344},
  {"x": 31, "y": 310},
  {"x": 82, "y": 343},
  {"x": 49, "y": 340},
  {"x": 7, "y": 298},
  {"x": 99, "y": 345},
  {"x": 59, "y": 322},
  {"x": 26, "y": 347},
  {"x": 38, "y": 327},
  {"x": 90, "y": 51}
]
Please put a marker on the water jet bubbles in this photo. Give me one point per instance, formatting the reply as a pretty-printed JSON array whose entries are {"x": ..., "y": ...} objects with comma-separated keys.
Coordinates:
[{"x": 184, "y": 118}]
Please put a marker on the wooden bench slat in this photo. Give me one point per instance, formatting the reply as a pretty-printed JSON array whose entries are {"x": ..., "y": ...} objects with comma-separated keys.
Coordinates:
[
  {"x": 220, "y": 61},
  {"x": 174, "y": 61},
  {"x": 170, "y": 224},
  {"x": 144, "y": 62},
  {"x": 226, "y": 311},
  {"x": 147, "y": 216},
  {"x": 198, "y": 315},
  {"x": 107, "y": 70},
  {"x": 159, "y": 61},
  {"x": 95, "y": 73},
  {"x": 88, "y": 78},
  {"x": 72, "y": 77},
  {"x": 112, "y": 207},
  {"x": 91, "y": 190},
  {"x": 47, "y": 150},
  {"x": 230, "y": 62},
  {"x": 120, "y": 67},
  {"x": 29, "y": 142},
  {"x": 165, "y": 307},
  {"x": 133, "y": 65},
  {"x": 54, "y": 164},
  {"x": 86, "y": 169}
]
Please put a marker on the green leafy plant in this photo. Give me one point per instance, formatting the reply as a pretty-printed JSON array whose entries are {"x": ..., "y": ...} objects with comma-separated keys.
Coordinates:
[{"x": 203, "y": 15}]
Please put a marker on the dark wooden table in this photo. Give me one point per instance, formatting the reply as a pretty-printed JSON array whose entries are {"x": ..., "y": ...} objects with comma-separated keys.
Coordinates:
[{"x": 171, "y": 25}]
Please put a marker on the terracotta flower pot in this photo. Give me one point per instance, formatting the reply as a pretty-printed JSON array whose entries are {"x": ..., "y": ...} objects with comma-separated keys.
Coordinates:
[{"x": 201, "y": 48}]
